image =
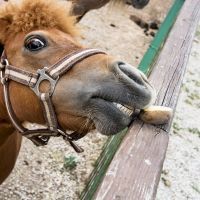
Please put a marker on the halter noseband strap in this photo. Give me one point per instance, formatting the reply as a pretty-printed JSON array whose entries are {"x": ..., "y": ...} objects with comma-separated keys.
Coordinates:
[{"x": 51, "y": 74}]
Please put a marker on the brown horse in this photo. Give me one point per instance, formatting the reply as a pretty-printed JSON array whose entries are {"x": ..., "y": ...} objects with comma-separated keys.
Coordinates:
[{"x": 38, "y": 33}]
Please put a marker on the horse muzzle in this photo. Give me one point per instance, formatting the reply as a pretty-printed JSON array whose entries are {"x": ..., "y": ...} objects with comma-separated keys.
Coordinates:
[{"x": 114, "y": 103}]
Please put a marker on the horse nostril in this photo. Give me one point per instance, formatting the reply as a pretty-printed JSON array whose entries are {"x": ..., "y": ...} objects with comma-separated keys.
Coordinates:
[
  {"x": 132, "y": 73},
  {"x": 139, "y": 3}
]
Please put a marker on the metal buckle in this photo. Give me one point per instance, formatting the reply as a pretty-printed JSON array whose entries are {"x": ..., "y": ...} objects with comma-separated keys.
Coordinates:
[
  {"x": 44, "y": 76},
  {"x": 3, "y": 64}
]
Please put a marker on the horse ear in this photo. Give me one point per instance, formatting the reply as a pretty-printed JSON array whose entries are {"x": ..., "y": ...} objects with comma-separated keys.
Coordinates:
[{"x": 5, "y": 22}]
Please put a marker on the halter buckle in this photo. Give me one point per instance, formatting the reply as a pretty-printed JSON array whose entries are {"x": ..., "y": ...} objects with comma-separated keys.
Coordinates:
[
  {"x": 42, "y": 77},
  {"x": 3, "y": 64}
]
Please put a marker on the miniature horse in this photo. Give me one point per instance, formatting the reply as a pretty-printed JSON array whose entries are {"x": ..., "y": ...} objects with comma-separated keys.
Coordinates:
[{"x": 39, "y": 33}]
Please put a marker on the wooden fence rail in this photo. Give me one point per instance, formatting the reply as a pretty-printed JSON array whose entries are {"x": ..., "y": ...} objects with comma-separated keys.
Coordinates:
[{"x": 135, "y": 170}]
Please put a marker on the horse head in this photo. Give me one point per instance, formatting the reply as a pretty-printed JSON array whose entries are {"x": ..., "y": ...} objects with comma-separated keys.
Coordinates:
[{"x": 39, "y": 33}]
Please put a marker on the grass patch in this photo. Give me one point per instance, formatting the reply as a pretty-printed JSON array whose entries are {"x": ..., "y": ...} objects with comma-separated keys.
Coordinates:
[
  {"x": 194, "y": 131},
  {"x": 70, "y": 162},
  {"x": 176, "y": 128}
]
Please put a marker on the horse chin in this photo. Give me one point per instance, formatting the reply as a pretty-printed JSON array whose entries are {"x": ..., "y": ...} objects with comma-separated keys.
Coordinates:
[
  {"x": 110, "y": 118},
  {"x": 75, "y": 123},
  {"x": 114, "y": 126}
]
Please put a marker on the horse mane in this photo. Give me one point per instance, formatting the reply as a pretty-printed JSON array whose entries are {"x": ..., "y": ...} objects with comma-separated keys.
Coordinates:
[{"x": 27, "y": 15}]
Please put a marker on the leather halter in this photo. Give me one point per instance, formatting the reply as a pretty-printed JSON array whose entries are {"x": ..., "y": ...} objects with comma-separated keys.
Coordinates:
[{"x": 40, "y": 137}]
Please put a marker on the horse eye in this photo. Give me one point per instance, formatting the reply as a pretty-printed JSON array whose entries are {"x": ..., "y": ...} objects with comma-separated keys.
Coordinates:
[{"x": 34, "y": 44}]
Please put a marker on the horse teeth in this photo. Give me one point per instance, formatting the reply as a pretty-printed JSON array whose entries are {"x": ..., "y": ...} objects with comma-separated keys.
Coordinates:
[{"x": 124, "y": 109}]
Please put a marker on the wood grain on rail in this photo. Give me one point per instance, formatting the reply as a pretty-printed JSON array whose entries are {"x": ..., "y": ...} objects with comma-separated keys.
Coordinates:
[{"x": 135, "y": 170}]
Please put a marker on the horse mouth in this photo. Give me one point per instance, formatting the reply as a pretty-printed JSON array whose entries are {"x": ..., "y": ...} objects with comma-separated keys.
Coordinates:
[
  {"x": 109, "y": 117},
  {"x": 127, "y": 110}
]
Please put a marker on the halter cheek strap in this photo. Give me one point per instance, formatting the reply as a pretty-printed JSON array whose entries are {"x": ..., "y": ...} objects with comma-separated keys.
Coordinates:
[{"x": 51, "y": 74}]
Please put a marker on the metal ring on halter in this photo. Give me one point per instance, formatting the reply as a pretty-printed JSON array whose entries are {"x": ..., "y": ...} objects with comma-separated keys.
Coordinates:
[
  {"x": 3, "y": 64},
  {"x": 42, "y": 77}
]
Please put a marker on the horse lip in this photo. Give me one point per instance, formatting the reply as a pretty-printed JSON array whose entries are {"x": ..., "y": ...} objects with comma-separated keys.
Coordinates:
[{"x": 107, "y": 116}]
